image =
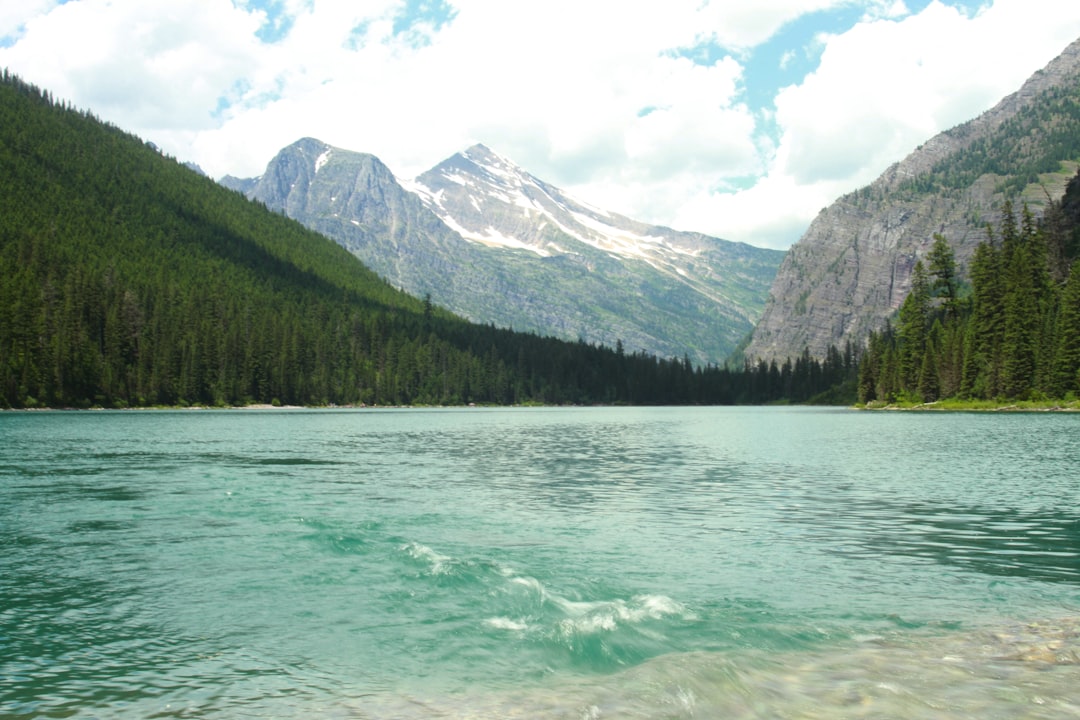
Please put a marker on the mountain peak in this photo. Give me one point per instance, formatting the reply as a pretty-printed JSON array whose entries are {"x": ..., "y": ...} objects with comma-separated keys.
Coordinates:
[
  {"x": 484, "y": 156},
  {"x": 489, "y": 200},
  {"x": 478, "y": 150},
  {"x": 479, "y": 163},
  {"x": 307, "y": 145}
]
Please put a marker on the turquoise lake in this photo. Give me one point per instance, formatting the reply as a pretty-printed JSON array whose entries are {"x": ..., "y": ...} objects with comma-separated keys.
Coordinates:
[{"x": 582, "y": 563}]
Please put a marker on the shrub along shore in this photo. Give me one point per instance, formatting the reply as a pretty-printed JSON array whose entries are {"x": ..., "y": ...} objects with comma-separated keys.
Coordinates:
[{"x": 977, "y": 406}]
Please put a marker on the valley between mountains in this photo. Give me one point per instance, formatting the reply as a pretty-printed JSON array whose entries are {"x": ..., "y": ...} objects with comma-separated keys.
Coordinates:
[
  {"x": 487, "y": 240},
  {"x": 134, "y": 281}
]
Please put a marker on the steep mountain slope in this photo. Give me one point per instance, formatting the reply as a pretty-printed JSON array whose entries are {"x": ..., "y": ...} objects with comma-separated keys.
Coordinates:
[
  {"x": 852, "y": 268},
  {"x": 354, "y": 199},
  {"x": 128, "y": 279},
  {"x": 496, "y": 245}
]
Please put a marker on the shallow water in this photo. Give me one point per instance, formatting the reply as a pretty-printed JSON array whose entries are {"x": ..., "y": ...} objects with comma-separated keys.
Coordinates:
[{"x": 579, "y": 563}]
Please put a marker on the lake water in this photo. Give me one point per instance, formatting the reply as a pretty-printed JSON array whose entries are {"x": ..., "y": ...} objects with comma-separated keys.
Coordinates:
[{"x": 580, "y": 563}]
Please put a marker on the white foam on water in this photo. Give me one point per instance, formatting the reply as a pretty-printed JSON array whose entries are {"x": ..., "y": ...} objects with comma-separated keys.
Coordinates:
[
  {"x": 531, "y": 584},
  {"x": 505, "y": 623},
  {"x": 590, "y": 617},
  {"x": 440, "y": 564},
  {"x": 588, "y": 625}
]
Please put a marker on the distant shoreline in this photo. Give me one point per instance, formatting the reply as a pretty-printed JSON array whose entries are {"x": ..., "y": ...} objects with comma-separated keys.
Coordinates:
[
  {"x": 1024, "y": 406},
  {"x": 979, "y": 406},
  {"x": 262, "y": 406}
]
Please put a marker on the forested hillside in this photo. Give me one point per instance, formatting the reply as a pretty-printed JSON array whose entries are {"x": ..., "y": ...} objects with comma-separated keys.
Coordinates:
[
  {"x": 1012, "y": 334},
  {"x": 129, "y": 280}
]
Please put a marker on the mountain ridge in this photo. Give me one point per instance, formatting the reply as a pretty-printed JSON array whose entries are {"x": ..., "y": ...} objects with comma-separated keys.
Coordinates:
[{"x": 494, "y": 244}]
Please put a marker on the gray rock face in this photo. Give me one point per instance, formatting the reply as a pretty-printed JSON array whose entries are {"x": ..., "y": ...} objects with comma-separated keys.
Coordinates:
[
  {"x": 851, "y": 270},
  {"x": 496, "y": 245},
  {"x": 354, "y": 199}
]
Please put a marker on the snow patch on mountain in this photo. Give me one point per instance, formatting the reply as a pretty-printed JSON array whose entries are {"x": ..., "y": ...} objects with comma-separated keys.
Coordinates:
[
  {"x": 490, "y": 236},
  {"x": 489, "y": 200}
]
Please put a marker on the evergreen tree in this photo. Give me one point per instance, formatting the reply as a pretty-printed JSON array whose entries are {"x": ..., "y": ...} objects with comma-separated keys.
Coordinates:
[
  {"x": 912, "y": 327},
  {"x": 1021, "y": 325},
  {"x": 942, "y": 265},
  {"x": 982, "y": 377},
  {"x": 929, "y": 387},
  {"x": 1066, "y": 375}
]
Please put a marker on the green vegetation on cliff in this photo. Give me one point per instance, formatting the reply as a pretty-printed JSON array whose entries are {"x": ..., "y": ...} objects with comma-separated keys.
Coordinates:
[
  {"x": 1028, "y": 145},
  {"x": 1014, "y": 337}
]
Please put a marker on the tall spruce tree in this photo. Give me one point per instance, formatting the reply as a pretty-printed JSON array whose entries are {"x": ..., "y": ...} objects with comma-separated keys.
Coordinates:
[
  {"x": 1066, "y": 375},
  {"x": 929, "y": 387},
  {"x": 1021, "y": 325},
  {"x": 942, "y": 265},
  {"x": 912, "y": 327},
  {"x": 983, "y": 376}
]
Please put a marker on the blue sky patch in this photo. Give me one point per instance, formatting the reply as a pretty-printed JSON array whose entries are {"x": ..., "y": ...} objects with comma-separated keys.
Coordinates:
[
  {"x": 278, "y": 22},
  {"x": 791, "y": 54},
  {"x": 418, "y": 18},
  {"x": 435, "y": 13},
  {"x": 356, "y": 36}
]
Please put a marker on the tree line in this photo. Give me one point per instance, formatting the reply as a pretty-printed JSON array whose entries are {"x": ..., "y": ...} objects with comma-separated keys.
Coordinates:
[{"x": 1012, "y": 332}]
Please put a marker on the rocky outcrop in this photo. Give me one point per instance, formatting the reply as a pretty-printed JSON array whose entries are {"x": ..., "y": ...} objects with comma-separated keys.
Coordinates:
[{"x": 851, "y": 270}]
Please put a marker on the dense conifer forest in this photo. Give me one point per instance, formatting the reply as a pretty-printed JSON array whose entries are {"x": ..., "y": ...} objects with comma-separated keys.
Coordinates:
[
  {"x": 129, "y": 280},
  {"x": 1011, "y": 333}
]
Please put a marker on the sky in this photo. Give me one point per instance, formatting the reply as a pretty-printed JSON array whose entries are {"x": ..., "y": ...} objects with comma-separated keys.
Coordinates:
[{"x": 737, "y": 119}]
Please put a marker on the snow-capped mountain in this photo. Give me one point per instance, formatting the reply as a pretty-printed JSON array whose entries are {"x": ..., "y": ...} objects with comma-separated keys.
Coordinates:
[
  {"x": 489, "y": 200},
  {"x": 495, "y": 244}
]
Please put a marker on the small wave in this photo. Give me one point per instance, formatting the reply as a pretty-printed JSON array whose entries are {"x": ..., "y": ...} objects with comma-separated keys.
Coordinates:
[
  {"x": 605, "y": 614},
  {"x": 504, "y": 623},
  {"x": 590, "y": 618},
  {"x": 531, "y": 584},
  {"x": 445, "y": 568},
  {"x": 439, "y": 564},
  {"x": 292, "y": 461}
]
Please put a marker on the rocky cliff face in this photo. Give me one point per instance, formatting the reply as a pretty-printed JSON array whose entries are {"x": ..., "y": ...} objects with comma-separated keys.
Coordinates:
[
  {"x": 355, "y": 199},
  {"x": 851, "y": 270},
  {"x": 494, "y": 244}
]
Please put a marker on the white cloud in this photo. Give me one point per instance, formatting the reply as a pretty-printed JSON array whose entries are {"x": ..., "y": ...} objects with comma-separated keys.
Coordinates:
[
  {"x": 773, "y": 213},
  {"x": 744, "y": 25},
  {"x": 587, "y": 95},
  {"x": 145, "y": 66},
  {"x": 14, "y": 15},
  {"x": 556, "y": 98},
  {"x": 882, "y": 88}
]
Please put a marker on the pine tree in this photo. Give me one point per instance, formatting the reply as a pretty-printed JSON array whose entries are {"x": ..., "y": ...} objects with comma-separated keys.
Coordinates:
[
  {"x": 942, "y": 265},
  {"x": 1067, "y": 358},
  {"x": 929, "y": 387},
  {"x": 1022, "y": 316},
  {"x": 912, "y": 328},
  {"x": 982, "y": 376}
]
